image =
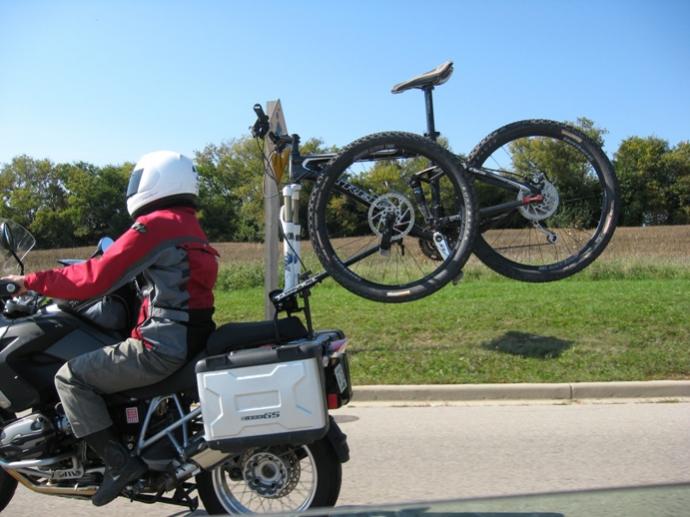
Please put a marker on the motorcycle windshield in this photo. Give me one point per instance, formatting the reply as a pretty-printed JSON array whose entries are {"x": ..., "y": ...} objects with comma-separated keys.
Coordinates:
[{"x": 23, "y": 243}]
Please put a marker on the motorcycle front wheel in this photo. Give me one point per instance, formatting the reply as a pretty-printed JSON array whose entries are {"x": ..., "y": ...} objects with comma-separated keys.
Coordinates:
[{"x": 273, "y": 479}]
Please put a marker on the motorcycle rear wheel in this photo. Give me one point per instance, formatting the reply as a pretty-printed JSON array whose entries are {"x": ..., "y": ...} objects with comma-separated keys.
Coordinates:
[{"x": 224, "y": 491}]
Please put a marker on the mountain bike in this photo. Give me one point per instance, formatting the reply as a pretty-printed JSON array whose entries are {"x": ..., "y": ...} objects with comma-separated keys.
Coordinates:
[{"x": 386, "y": 222}]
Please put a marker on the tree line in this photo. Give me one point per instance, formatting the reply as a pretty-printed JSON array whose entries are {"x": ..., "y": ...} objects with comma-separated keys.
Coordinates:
[{"x": 74, "y": 204}]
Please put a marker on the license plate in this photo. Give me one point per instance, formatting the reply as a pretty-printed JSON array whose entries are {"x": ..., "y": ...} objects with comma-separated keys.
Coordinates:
[{"x": 340, "y": 377}]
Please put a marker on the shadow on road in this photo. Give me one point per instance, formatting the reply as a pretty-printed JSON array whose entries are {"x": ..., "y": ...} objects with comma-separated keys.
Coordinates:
[{"x": 528, "y": 345}]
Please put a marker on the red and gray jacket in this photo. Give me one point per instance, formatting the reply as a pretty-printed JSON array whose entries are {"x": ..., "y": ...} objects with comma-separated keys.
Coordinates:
[{"x": 179, "y": 267}]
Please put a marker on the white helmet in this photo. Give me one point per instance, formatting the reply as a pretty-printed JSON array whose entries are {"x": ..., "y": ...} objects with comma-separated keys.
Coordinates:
[{"x": 161, "y": 178}]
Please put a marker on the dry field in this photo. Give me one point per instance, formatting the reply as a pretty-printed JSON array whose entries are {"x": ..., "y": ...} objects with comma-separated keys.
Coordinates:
[
  {"x": 669, "y": 244},
  {"x": 658, "y": 245},
  {"x": 231, "y": 253}
]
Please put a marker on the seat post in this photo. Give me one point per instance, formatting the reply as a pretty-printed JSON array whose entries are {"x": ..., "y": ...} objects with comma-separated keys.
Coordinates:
[{"x": 430, "y": 124}]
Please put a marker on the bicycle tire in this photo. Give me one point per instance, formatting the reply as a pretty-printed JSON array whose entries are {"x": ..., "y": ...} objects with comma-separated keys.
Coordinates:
[
  {"x": 416, "y": 274},
  {"x": 574, "y": 221}
]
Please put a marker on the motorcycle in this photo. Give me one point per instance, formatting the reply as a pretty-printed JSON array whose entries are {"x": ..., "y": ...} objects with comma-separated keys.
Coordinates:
[{"x": 244, "y": 422}]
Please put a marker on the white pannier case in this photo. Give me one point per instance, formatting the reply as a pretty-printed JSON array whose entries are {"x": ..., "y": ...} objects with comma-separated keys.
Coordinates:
[{"x": 264, "y": 396}]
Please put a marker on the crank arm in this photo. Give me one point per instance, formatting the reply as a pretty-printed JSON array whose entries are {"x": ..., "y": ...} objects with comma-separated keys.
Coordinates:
[{"x": 441, "y": 244}]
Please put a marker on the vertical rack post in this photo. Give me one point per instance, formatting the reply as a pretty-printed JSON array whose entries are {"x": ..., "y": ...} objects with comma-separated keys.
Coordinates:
[{"x": 272, "y": 207}]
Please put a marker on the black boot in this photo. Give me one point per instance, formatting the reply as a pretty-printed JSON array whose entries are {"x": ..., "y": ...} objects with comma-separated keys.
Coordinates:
[{"x": 120, "y": 467}]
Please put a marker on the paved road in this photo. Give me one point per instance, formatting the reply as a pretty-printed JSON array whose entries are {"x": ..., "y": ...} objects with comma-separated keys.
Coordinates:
[{"x": 407, "y": 454}]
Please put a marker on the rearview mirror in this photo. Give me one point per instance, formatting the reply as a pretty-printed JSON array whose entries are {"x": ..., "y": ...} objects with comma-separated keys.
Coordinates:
[
  {"x": 7, "y": 239},
  {"x": 104, "y": 244}
]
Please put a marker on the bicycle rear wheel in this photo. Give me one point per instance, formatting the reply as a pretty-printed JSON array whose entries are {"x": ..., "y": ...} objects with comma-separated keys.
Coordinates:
[
  {"x": 570, "y": 220},
  {"x": 393, "y": 217}
]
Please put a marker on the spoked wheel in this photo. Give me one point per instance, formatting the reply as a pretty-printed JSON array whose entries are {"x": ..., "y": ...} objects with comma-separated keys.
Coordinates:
[
  {"x": 393, "y": 217},
  {"x": 567, "y": 217},
  {"x": 273, "y": 479}
]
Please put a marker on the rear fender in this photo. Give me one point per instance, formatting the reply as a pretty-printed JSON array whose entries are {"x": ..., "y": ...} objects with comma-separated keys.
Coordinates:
[{"x": 338, "y": 441}]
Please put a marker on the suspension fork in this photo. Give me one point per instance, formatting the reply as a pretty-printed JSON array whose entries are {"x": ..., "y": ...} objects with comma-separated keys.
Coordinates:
[{"x": 289, "y": 220}]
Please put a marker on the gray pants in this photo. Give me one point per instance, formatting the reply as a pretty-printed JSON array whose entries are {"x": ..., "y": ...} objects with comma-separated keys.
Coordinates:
[{"x": 127, "y": 365}]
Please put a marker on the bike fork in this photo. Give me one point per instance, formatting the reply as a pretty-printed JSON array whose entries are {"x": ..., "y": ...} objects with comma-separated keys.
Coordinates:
[{"x": 289, "y": 220}]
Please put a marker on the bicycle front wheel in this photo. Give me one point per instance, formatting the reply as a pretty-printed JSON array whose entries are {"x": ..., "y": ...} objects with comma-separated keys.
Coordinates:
[
  {"x": 567, "y": 217},
  {"x": 393, "y": 218}
]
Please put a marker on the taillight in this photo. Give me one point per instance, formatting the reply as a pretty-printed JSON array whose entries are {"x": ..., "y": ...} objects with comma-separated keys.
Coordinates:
[{"x": 333, "y": 401}]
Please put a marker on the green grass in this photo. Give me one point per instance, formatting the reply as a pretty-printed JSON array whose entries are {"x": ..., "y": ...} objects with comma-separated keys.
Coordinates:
[
  {"x": 251, "y": 274},
  {"x": 487, "y": 329}
]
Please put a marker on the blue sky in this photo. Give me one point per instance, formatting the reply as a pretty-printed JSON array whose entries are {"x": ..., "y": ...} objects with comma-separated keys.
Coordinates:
[{"x": 106, "y": 82}]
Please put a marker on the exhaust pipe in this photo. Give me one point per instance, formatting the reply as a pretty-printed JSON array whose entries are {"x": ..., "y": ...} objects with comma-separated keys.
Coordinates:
[
  {"x": 201, "y": 454},
  {"x": 12, "y": 466},
  {"x": 79, "y": 491}
]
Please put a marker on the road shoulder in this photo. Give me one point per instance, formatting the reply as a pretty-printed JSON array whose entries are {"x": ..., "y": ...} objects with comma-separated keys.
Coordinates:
[{"x": 409, "y": 395}]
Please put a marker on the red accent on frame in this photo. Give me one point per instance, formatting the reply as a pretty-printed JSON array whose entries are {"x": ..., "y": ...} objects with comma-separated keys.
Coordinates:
[{"x": 537, "y": 198}]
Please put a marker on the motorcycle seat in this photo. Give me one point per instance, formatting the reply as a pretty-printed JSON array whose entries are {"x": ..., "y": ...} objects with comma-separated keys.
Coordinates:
[
  {"x": 237, "y": 336},
  {"x": 225, "y": 339}
]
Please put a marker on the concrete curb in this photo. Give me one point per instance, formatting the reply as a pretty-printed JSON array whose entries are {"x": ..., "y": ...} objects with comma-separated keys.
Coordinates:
[{"x": 499, "y": 392}]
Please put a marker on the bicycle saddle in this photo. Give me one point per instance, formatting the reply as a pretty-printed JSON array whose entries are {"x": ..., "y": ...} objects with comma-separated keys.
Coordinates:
[{"x": 438, "y": 75}]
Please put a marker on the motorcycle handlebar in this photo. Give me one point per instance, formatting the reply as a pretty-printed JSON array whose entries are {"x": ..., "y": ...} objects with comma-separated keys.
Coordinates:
[{"x": 8, "y": 289}]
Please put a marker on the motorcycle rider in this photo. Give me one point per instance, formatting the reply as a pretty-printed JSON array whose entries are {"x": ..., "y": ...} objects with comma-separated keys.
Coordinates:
[{"x": 168, "y": 253}]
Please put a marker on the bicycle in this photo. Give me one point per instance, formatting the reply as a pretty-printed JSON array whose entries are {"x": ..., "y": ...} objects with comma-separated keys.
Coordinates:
[{"x": 547, "y": 205}]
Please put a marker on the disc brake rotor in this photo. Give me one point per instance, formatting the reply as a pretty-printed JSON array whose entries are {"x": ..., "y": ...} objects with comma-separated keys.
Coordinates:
[
  {"x": 544, "y": 208},
  {"x": 269, "y": 474},
  {"x": 395, "y": 207}
]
